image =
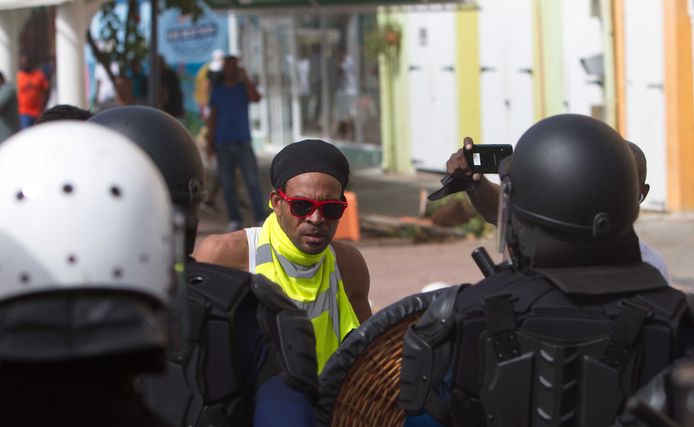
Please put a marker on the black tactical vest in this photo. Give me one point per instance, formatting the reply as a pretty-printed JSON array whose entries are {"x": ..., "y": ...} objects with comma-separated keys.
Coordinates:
[
  {"x": 202, "y": 384},
  {"x": 561, "y": 347}
]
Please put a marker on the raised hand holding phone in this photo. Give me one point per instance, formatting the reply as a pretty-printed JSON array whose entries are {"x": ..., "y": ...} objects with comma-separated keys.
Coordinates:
[
  {"x": 487, "y": 158},
  {"x": 465, "y": 167}
]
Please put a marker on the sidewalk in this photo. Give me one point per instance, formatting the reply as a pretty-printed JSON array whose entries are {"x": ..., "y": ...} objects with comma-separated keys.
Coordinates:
[{"x": 398, "y": 267}]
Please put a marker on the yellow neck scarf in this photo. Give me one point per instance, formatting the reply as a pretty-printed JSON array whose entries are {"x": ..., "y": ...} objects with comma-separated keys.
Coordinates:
[{"x": 313, "y": 282}]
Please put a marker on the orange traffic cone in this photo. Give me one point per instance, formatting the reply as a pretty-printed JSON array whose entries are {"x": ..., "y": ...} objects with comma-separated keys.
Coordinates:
[{"x": 348, "y": 228}]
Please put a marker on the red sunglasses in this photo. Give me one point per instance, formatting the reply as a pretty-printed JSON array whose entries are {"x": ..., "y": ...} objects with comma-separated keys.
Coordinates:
[{"x": 301, "y": 207}]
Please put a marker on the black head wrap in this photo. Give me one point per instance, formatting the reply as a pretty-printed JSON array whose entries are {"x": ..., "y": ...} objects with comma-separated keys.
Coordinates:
[{"x": 310, "y": 155}]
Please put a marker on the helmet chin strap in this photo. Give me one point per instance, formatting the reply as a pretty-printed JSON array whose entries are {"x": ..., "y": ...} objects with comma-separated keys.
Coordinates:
[
  {"x": 513, "y": 254},
  {"x": 503, "y": 215},
  {"x": 179, "y": 328}
]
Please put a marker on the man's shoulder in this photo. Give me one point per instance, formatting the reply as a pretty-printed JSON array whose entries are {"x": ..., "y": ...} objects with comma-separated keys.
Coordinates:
[
  {"x": 347, "y": 254},
  {"x": 569, "y": 287},
  {"x": 651, "y": 256},
  {"x": 229, "y": 250},
  {"x": 344, "y": 248},
  {"x": 471, "y": 296},
  {"x": 216, "y": 285},
  {"x": 352, "y": 266}
]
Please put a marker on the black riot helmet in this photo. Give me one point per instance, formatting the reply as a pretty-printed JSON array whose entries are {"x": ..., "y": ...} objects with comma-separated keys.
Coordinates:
[
  {"x": 173, "y": 150},
  {"x": 573, "y": 177}
]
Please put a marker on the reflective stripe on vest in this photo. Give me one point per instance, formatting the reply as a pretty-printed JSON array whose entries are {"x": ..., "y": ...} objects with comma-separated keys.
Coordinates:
[{"x": 321, "y": 303}]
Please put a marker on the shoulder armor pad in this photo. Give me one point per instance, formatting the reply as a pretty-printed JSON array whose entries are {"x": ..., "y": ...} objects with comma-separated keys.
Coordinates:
[
  {"x": 291, "y": 336},
  {"x": 437, "y": 321},
  {"x": 222, "y": 286},
  {"x": 270, "y": 294},
  {"x": 690, "y": 305},
  {"x": 426, "y": 354}
]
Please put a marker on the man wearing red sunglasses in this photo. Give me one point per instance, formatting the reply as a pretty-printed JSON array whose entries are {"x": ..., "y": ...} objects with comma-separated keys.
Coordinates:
[{"x": 294, "y": 247}]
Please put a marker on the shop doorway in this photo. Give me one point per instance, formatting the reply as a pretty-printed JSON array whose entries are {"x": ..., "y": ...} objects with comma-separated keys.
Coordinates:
[
  {"x": 278, "y": 60},
  {"x": 433, "y": 105},
  {"x": 315, "y": 78},
  {"x": 506, "y": 70},
  {"x": 645, "y": 104}
]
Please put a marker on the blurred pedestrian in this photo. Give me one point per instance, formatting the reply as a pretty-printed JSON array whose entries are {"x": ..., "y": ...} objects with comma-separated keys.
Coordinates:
[
  {"x": 9, "y": 119},
  {"x": 229, "y": 135},
  {"x": 171, "y": 96},
  {"x": 33, "y": 91},
  {"x": 206, "y": 78},
  {"x": 138, "y": 80},
  {"x": 124, "y": 91},
  {"x": 209, "y": 75},
  {"x": 215, "y": 70},
  {"x": 105, "y": 92},
  {"x": 345, "y": 96}
]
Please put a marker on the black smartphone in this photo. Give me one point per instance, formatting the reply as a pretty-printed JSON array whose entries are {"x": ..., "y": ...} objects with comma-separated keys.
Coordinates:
[{"x": 486, "y": 158}]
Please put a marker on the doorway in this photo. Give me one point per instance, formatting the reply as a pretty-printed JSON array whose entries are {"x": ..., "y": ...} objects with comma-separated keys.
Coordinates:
[{"x": 432, "y": 80}]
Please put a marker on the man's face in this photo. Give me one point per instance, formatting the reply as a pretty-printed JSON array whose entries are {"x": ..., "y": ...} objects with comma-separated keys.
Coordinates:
[
  {"x": 24, "y": 61},
  {"x": 231, "y": 68},
  {"x": 312, "y": 234}
]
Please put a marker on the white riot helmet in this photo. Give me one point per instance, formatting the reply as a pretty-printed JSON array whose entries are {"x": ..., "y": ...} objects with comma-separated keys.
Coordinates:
[{"x": 86, "y": 245}]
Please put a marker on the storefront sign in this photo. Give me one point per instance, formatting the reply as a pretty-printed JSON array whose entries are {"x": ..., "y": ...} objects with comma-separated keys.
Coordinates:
[{"x": 185, "y": 41}]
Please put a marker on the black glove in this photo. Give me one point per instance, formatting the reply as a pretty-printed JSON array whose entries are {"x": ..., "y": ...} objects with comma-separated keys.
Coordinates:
[{"x": 453, "y": 184}]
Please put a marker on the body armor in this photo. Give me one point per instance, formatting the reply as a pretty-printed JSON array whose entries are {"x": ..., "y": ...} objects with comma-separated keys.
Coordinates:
[
  {"x": 548, "y": 347},
  {"x": 205, "y": 382}
]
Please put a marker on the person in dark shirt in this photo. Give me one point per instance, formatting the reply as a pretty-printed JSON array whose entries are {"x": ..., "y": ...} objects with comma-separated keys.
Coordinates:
[
  {"x": 171, "y": 96},
  {"x": 229, "y": 136}
]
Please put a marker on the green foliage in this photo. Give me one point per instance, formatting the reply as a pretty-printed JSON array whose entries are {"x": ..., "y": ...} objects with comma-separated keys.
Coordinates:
[
  {"x": 186, "y": 7},
  {"x": 193, "y": 121},
  {"x": 122, "y": 41},
  {"x": 434, "y": 205},
  {"x": 384, "y": 40},
  {"x": 476, "y": 226}
]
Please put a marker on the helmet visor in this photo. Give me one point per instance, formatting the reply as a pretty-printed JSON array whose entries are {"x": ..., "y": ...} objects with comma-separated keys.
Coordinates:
[{"x": 503, "y": 214}]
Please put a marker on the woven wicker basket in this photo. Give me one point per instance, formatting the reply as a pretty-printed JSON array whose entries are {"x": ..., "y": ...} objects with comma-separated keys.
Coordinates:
[
  {"x": 369, "y": 395},
  {"x": 360, "y": 384}
]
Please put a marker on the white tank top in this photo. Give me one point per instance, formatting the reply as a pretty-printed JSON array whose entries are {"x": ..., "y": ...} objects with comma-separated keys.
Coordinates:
[{"x": 252, "y": 236}]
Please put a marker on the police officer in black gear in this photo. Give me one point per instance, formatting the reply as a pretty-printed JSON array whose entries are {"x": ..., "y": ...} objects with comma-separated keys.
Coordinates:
[
  {"x": 577, "y": 322},
  {"x": 246, "y": 354},
  {"x": 82, "y": 305}
]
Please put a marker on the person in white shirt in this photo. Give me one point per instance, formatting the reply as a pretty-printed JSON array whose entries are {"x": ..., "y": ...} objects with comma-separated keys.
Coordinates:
[
  {"x": 648, "y": 254},
  {"x": 105, "y": 93}
]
